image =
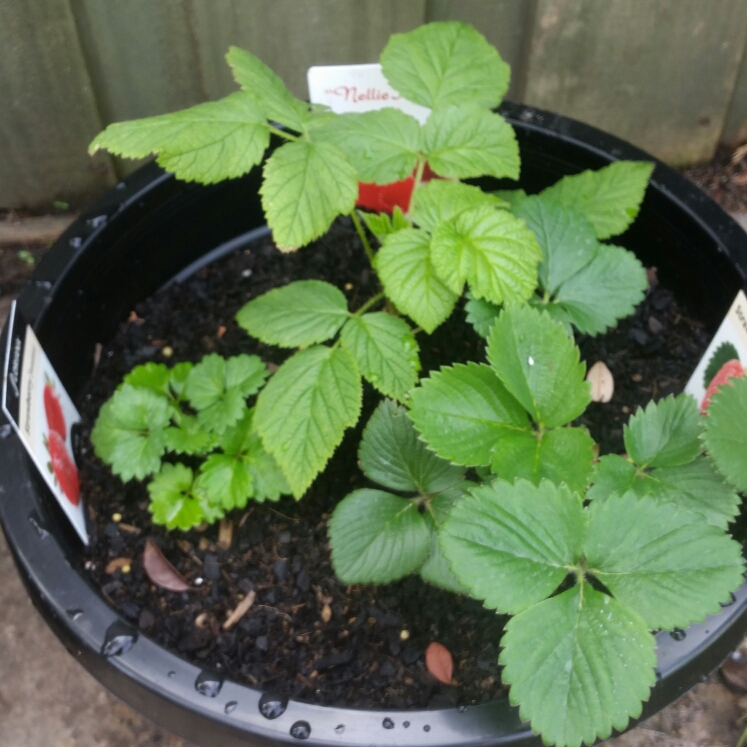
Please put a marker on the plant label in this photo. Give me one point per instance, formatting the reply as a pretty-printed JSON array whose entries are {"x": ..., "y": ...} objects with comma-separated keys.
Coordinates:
[
  {"x": 42, "y": 414},
  {"x": 725, "y": 356},
  {"x": 357, "y": 88}
]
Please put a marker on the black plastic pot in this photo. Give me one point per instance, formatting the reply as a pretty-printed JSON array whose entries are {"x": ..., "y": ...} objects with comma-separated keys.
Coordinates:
[{"x": 152, "y": 229}]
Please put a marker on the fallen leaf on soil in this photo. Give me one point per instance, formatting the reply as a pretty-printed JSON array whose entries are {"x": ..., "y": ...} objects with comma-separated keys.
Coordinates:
[
  {"x": 326, "y": 613},
  {"x": 129, "y": 528},
  {"x": 160, "y": 571},
  {"x": 221, "y": 331},
  {"x": 117, "y": 563},
  {"x": 225, "y": 534},
  {"x": 439, "y": 663},
  {"x": 201, "y": 619},
  {"x": 602, "y": 383},
  {"x": 241, "y": 609}
]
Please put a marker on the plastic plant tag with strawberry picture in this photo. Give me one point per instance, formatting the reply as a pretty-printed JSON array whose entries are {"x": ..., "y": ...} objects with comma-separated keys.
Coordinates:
[
  {"x": 725, "y": 358},
  {"x": 42, "y": 414}
]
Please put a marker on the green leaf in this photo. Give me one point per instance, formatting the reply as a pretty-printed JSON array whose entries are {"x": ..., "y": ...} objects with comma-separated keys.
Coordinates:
[
  {"x": 665, "y": 434},
  {"x": 306, "y": 186},
  {"x": 512, "y": 544},
  {"x": 218, "y": 387},
  {"x": 377, "y": 537},
  {"x": 391, "y": 454},
  {"x": 512, "y": 197},
  {"x": 561, "y": 455},
  {"x": 382, "y": 145},
  {"x": 539, "y": 365},
  {"x": 385, "y": 350},
  {"x": 274, "y": 99},
  {"x": 567, "y": 240},
  {"x": 129, "y": 434},
  {"x": 612, "y": 475},
  {"x": 578, "y": 664},
  {"x": 462, "y": 411},
  {"x": 379, "y": 224},
  {"x": 726, "y": 432},
  {"x": 666, "y": 563},
  {"x": 481, "y": 314},
  {"x": 189, "y": 437},
  {"x": 605, "y": 290},
  {"x": 468, "y": 141},
  {"x": 410, "y": 280},
  {"x": 149, "y": 375},
  {"x": 725, "y": 352},
  {"x": 445, "y": 63},
  {"x": 172, "y": 500},
  {"x": 609, "y": 198},
  {"x": 436, "y": 569},
  {"x": 226, "y": 481},
  {"x": 206, "y": 143},
  {"x": 304, "y": 410},
  {"x": 556, "y": 312},
  {"x": 178, "y": 378},
  {"x": 441, "y": 200},
  {"x": 491, "y": 250},
  {"x": 300, "y": 313}
]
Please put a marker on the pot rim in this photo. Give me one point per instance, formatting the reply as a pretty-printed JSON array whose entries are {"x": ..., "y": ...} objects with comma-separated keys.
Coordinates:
[{"x": 160, "y": 684}]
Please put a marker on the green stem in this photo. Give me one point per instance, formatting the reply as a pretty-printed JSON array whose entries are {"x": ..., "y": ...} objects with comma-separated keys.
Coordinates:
[
  {"x": 362, "y": 235},
  {"x": 282, "y": 133},
  {"x": 371, "y": 301},
  {"x": 416, "y": 185}
]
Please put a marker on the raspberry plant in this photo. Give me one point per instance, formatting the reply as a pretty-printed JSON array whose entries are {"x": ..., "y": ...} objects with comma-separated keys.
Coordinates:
[{"x": 484, "y": 484}]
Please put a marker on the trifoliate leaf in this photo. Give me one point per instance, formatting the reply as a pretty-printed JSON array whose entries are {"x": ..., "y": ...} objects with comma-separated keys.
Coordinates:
[
  {"x": 605, "y": 290},
  {"x": 554, "y": 311},
  {"x": 609, "y": 198},
  {"x": 559, "y": 455},
  {"x": 567, "y": 240},
  {"x": 269, "y": 481},
  {"x": 273, "y": 98},
  {"x": 377, "y": 537},
  {"x": 723, "y": 353},
  {"x": 539, "y": 365},
  {"x": 382, "y": 145},
  {"x": 178, "y": 378},
  {"x": 665, "y": 434},
  {"x": 303, "y": 412},
  {"x": 189, "y": 437},
  {"x": 445, "y": 63},
  {"x": 513, "y": 544},
  {"x": 391, "y": 454},
  {"x": 206, "y": 143},
  {"x": 666, "y": 563},
  {"x": 726, "y": 432},
  {"x": 410, "y": 280},
  {"x": 218, "y": 387},
  {"x": 613, "y": 474},
  {"x": 300, "y": 313},
  {"x": 173, "y": 502},
  {"x": 129, "y": 434},
  {"x": 441, "y": 200},
  {"x": 385, "y": 350},
  {"x": 491, "y": 250},
  {"x": 306, "y": 186},
  {"x": 436, "y": 569},
  {"x": 462, "y": 411},
  {"x": 149, "y": 375},
  {"x": 579, "y": 665},
  {"x": 226, "y": 481},
  {"x": 481, "y": 314},
  {"x": 468, "y": 141}
]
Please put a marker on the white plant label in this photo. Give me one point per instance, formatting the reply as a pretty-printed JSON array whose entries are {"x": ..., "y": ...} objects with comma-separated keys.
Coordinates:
[
  {"x": 42, "y": 414},
  {"x": 729, "y": 343},
  {"x": 357, "y": 88}
]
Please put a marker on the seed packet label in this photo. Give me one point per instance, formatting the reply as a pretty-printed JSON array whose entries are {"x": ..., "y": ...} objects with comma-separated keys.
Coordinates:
[
  {"x": 42, "y": 414},
  {"x": 729, "y": 343},
  {"x": 357, "y": 88}
]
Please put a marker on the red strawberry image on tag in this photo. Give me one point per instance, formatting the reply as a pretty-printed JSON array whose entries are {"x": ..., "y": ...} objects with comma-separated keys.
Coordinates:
[
  {"x": 63, "y": 467},
  {"x": 53, "y": 410},
  {"x": 730, "y": 370}
]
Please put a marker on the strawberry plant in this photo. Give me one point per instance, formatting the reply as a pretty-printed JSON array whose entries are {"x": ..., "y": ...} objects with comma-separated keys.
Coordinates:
[{"x": 484, "y": 483}]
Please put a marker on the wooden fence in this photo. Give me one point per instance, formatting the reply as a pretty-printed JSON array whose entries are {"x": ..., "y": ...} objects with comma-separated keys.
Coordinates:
[{"x": 669, "y": 75}]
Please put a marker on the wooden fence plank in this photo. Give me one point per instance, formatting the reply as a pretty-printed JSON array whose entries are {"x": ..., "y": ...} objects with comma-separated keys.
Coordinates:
[
  {"x": 505, "y": 24},
  {"x": 48, "y": 114},
  {"x": 291, "y": 36},
  {"x": 657, "y": 72},
  {"x": 735, "y": 126}
]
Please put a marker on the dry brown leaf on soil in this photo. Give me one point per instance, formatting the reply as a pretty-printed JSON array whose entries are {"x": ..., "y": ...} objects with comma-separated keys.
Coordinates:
[
  {"x": 160, "y": 571},
  {"x": 241, "y": 609},
  {"x": 225, "y": 534},
  {"x": 602, "y": 382},
  {"x": 439, "y": 663},
  {"x": 117, "y": 564}
]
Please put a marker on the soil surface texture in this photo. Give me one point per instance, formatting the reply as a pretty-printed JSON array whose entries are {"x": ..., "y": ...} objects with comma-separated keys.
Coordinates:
[{"x": 369, "y": 652}]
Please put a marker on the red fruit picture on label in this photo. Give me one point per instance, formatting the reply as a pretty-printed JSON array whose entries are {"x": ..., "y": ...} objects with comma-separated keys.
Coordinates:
[
  {"x": 63, "y": 467},
  {"x": 53, "y": 410},
  {"x": 730, "y": 370}
]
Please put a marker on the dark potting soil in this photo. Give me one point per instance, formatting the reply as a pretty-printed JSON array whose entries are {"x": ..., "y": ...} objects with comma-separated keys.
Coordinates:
[{"x": 307, "y": 636}]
